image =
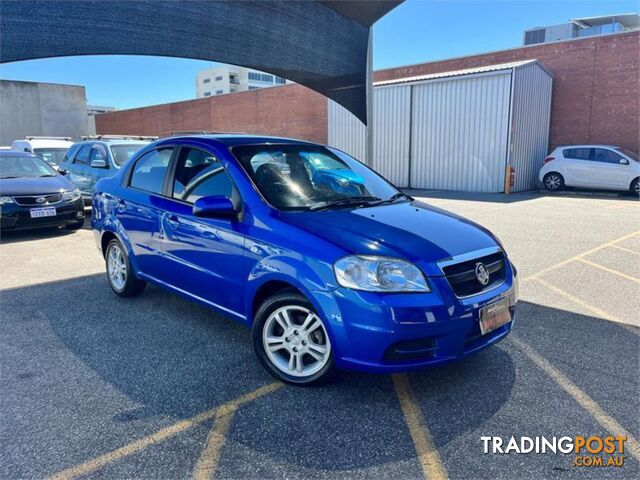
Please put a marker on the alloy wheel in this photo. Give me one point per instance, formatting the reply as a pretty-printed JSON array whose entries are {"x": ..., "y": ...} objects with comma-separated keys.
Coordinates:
[
  {"x": 117, "y": 267},
  {"x": 295, "y": 341},
  {"x": 552, "y": 182}
]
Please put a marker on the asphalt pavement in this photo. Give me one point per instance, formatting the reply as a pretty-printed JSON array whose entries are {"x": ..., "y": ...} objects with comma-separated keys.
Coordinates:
[{"x": 96, "y": 386}]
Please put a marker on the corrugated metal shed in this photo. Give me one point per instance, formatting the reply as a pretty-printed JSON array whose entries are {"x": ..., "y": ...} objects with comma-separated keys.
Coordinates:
[{"x": 456, "y": 130}]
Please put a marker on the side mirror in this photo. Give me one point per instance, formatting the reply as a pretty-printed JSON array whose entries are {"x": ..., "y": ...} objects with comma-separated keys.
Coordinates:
[
  {"x": 99, "y": 163},
  {"x": 62, "y": 171},
  {"x": 215, "y": 206},
  {"x": 624, "y": 161}
]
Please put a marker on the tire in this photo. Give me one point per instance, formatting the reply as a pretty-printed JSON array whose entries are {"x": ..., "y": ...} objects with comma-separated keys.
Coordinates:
[
  {"x": 305, "y": 355},
  {"x": 553, "y": 182},
  {"x": 635, "y": 188},
  {"x": 75, "y": 225},
  {"x": 119, "y": 274}
]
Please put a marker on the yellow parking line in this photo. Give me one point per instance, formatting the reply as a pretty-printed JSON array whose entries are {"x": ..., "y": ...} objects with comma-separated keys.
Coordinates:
[
  {"x": 580, "y": 255},
  {"x": 584, "y": 400},
  {"x": 610, "y": 270},
  {"x": 596, "y": 311},
  {"x": 208, "y": 461},
  {"x": 159, "y": 436},
  {"x": 624, "y": 249},
  {"x": 428, "y": 456}
]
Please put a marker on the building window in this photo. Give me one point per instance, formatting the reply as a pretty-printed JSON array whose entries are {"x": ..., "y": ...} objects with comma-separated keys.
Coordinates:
[
  {"x": 280, "y": 80},
  {"x": 251, "y": 87},
  {"x": 219, "y": 92},
  {"x": 260, "y": 77},
  {"x": 206, "y": 80},
  {"x": 218, "y": 78},
  {"x": 207, "y": 94}
]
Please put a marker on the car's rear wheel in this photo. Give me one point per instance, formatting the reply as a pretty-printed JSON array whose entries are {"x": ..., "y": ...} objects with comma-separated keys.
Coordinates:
[
  {"x": 291, "y": 340},
  {"x": 553, "y": 182},
  {"x": 635, "y": 187},
  {"x": 121, "y": 278}
]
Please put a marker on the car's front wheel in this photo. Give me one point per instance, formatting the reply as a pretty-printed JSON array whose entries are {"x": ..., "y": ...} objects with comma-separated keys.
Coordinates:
[
  {"x": 121, "y": 278},
  {"x": 291, "y": 340},
  {"x": 635, "y": 187},
  {"x": 553, "y": 182}
]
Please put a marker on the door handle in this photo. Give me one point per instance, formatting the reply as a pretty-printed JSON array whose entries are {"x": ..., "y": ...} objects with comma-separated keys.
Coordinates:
[{"x": 173, "y": 221}]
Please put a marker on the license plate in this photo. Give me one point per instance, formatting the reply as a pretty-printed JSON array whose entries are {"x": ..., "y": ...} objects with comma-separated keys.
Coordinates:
[
  {"x": 42, "y": 212},
  {"x": 494, "y": 316}
]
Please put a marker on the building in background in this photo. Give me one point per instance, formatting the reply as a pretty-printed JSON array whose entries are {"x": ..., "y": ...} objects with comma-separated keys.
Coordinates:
[
  {"x": 230, "y": 79},
  {"x": 41, "y": 109},
  {"x": 582, "y": 27},
  {"x": 92, "y": 111}
]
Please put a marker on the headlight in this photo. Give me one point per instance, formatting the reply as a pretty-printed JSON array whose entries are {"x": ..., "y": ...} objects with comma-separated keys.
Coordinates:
[
  {"x": 379, "y": 274},
  {"x": 71, "y": 196},
  {"x": 5, "y": 200}
]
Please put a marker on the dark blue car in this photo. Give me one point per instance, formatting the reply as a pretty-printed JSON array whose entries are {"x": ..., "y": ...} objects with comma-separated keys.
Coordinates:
[{"x": 350, "y": 274}]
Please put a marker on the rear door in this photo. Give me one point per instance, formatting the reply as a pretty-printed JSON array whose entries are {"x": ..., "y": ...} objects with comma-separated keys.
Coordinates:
[
  {"x": 139, "y": 210},
  {"x": 79, "y": 170},
  {"x": 205, "y": 254},
  {"x": 607, "y": 171},
  {"x": 576, "y": 166}
]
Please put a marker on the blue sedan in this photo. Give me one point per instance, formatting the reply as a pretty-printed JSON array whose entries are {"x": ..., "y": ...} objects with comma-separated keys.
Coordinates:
[{"x": 329, "y": 264}]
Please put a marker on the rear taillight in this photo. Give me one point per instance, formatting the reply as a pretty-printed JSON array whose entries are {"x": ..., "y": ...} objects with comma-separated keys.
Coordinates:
[{"x": 548, "y": 159}]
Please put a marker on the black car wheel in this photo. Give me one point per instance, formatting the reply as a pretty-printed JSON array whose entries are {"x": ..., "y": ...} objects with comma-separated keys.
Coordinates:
[
  {"x": 291, "y": 340},
  {"x": 121, "y": 278},
  {"x": 635, "y": 187},
  {"x": 553, "y": 182}
]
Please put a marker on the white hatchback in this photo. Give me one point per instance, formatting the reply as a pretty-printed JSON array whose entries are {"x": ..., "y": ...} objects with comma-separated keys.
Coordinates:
[{"x": 591, "y": 166}]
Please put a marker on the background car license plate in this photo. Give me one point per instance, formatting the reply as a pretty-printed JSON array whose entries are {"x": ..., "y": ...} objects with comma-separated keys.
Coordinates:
[
  {"x": 42, "y": 212},
  {"x": 494, "y": 316}
]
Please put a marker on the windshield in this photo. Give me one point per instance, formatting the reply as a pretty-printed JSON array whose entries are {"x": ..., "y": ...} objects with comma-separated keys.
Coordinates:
[
  {"x": 15, "y": 167},
  {"x": 53, "y": 156},
  {"x": 630, "y": 154},
  {"x": 122, "y": 153},
  {"x": 310, "y": 177}
]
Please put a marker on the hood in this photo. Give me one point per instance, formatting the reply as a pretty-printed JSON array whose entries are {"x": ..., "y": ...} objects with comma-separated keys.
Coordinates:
[
  {"x": 34, "y": 186},
  {"x": 411, "y": 230}
]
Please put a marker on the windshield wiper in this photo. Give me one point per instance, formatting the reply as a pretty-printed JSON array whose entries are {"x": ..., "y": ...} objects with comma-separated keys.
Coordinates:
[
  {"x": 394, "y": 198},
  {"x": 364, "y": 200},
  {"x": 11, "y": 176}
]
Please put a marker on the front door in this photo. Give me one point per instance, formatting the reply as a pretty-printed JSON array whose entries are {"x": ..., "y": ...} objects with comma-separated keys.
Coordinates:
[
  {"x": 205, "y": 253},
  {"x": 78, "y": 170},
  {"x": 607, "y": 171}
]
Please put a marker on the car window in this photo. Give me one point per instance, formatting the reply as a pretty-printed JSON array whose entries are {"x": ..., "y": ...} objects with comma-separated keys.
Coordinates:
[
  {"x": 200, "y": 174},
  {"x": 83, "y": 154},
  {"x": 98, "y": 152},
  {"x": 148, "y": 172},
  {"x": 604, "y": 155},
  {"x": 577, "y": 153},
  {"x": 123, "y": 152},
  {"x": 303, "y": 176},
  {"x": 53, "y": 156},
  {"x": 73, "y": 149}
]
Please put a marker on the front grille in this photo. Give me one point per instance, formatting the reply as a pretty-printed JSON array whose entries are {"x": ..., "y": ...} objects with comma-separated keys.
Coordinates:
[
  {"x": 420, "y": 349},
  {"x": 30, "y": 201},
  {"x": 462, "y": 276}
]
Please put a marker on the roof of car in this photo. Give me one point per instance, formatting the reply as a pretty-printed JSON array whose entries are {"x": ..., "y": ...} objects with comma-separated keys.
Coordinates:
[
  {"x": 14, "y": 153},
  {"x": 591, "y": 145},
  {"x": 115, "y": 141},
  {"x": 232, "y": 140}
]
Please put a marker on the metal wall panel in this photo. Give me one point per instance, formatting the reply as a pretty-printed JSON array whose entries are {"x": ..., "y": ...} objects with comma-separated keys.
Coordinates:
[
  {"x": 460, "y": 133},
  {"x": 530, "y": 124},
  {"x": 391, "y": 124}
]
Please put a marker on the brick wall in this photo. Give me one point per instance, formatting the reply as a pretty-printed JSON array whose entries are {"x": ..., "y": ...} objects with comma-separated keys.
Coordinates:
[
  {"x": 292, "y": 110},
  {"x": 596, "y": 98}
]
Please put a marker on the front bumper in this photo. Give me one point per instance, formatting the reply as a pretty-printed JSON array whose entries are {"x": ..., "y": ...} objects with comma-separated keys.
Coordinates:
[
  {"x": 17, "y": 217},
  {"x": 398, "y": 332}
]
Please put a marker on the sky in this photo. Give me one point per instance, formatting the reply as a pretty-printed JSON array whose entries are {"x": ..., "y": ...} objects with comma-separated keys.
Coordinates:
[{"x": 417, "y": 31}]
